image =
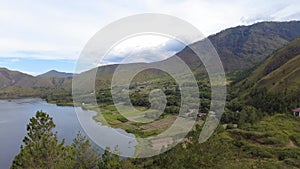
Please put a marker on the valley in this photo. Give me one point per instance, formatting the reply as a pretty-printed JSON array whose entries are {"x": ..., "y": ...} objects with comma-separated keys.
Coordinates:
[{"x": 257, "y": 129}]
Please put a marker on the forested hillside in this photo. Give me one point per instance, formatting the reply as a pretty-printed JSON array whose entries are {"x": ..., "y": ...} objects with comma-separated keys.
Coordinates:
[{"x": 275, "y": 82}]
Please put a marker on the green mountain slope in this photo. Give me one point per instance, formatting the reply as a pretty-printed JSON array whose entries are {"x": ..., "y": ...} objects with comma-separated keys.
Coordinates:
[
  {"x": 244, "y": 47},
  {"x": 285, "y": 77},
  {"x": 279, "y": 72},
  {"x": 239, "y": 48}
]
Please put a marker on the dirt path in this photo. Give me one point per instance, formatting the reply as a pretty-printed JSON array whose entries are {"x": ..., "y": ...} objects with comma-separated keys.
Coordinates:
[{"x": 291, "y": 143}]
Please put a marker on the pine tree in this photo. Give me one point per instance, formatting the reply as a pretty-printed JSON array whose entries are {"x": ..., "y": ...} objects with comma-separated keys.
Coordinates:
[
  {"x": 41, "y": 146},
  {"x": 85, "y": 157},
  {"x": 110, "y": 161}
]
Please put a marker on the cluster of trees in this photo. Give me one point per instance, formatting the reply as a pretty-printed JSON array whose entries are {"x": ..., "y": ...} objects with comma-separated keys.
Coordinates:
[
  {"x": 259, "y": 103},
  {"x": 104, "y": 96},
  {"x": 141, "y": 97},
  {"x": 241, "y": 114},
  {"x": 173, "y": 97},
  {"x": 42, "y": 149},
  {"x": 271, "y": 102}
]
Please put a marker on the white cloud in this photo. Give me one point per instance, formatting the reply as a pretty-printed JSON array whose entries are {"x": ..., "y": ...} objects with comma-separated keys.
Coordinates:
[
  {"x": 60, "y": 29},
  {"x": 138, "y": 43},
  {"x": 15, "y": 60},
  {"x": 143, "y": 48}
]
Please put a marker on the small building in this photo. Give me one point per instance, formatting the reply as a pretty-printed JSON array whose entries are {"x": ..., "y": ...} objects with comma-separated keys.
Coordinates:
[
  {"x": 296, "y": 112},
  {"x": 201, "y": 114}
]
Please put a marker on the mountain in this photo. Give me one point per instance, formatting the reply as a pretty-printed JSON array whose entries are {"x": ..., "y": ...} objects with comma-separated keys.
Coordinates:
[
  {"x": 239, "y": 48},
  {"x": 54, "y": 73},
  {"x": 11, "y": 78},
  {"x": 103, "y": 75},
  {"x": 244, "y": 47},
  {"x": 53, "y": 82},
  {"x": 279, "y": 72}
]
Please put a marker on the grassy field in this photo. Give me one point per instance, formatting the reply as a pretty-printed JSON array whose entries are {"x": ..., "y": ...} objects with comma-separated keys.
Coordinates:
[
  {"x": 274, "y": 139},
  {"x": 116, "y": 120},
  {"x": 278, "y": 131},
  {"x": 271, "y": 143}
]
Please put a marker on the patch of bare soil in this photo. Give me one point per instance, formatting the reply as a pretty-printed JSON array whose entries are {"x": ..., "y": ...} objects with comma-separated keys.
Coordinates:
[{"x": 162, "y": 124}]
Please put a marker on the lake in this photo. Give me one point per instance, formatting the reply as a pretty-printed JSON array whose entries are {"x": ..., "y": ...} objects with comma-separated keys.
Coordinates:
[{"x": 15, "y": 115}]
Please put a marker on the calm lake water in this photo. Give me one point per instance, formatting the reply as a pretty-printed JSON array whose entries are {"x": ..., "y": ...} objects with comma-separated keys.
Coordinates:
[{"x": 15, "y": 115}]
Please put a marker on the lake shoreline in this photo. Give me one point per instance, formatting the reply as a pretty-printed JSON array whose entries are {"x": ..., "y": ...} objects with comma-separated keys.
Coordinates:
[{"x": 15, "y": 115}]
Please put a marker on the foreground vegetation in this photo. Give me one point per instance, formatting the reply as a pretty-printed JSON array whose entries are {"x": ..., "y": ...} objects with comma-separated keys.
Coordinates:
[
  {"x": 42, "y": 149},
  {"x": 272, "y": 142}
]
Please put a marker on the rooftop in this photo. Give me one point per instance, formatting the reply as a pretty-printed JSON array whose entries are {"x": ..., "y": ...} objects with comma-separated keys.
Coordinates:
[{"x": 296, "y": 110}]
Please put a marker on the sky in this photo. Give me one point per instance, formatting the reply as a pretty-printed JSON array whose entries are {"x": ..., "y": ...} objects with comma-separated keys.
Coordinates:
[{"x": 38, "y": 36}]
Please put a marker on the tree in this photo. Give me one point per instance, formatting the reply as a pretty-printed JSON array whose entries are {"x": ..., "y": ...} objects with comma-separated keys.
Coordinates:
[
  {"x": 110, "y": 161},
  {"x": 84, "y": 155},
  {"x": 42, "y": 148},
  {"x": 249, "y": 115}
]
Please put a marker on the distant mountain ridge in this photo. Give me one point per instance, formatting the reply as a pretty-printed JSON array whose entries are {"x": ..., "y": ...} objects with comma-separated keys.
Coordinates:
[
  {"x": 14, "y": 78},
  {"x": 54, "y": 73},
  {"x": 11, "y": 78},
  {"x": 239, "y": 48}
]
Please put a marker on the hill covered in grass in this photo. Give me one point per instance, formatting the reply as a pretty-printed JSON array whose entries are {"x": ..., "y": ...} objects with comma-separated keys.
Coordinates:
[
  {"x": 278, "y": 72},
  {"x": 282, "y": 71},
  {"x": 245, "y": 47},
  {"x": 275, "y": 82}
]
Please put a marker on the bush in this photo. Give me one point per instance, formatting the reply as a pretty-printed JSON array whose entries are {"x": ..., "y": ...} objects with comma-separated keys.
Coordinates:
[{"x": 292, "y": 162}]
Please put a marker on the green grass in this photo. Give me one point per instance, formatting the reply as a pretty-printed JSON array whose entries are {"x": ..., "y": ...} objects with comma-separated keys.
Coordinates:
[
  {"x": 266, "y": 144},
  {"x": 287, "y": 76},
  {"x": 276, "y": 130},
  {"x": 280, "y": 71},
  {"x": 271, "y": 143},
  {"x": 275, "y": 137},
  {"x": 116, "y": 120}
]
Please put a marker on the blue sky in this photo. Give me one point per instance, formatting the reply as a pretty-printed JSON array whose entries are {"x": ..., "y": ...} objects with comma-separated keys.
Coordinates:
[
  {"x": 33, "y": 66},
  {"x": 37, "y": 36}
]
